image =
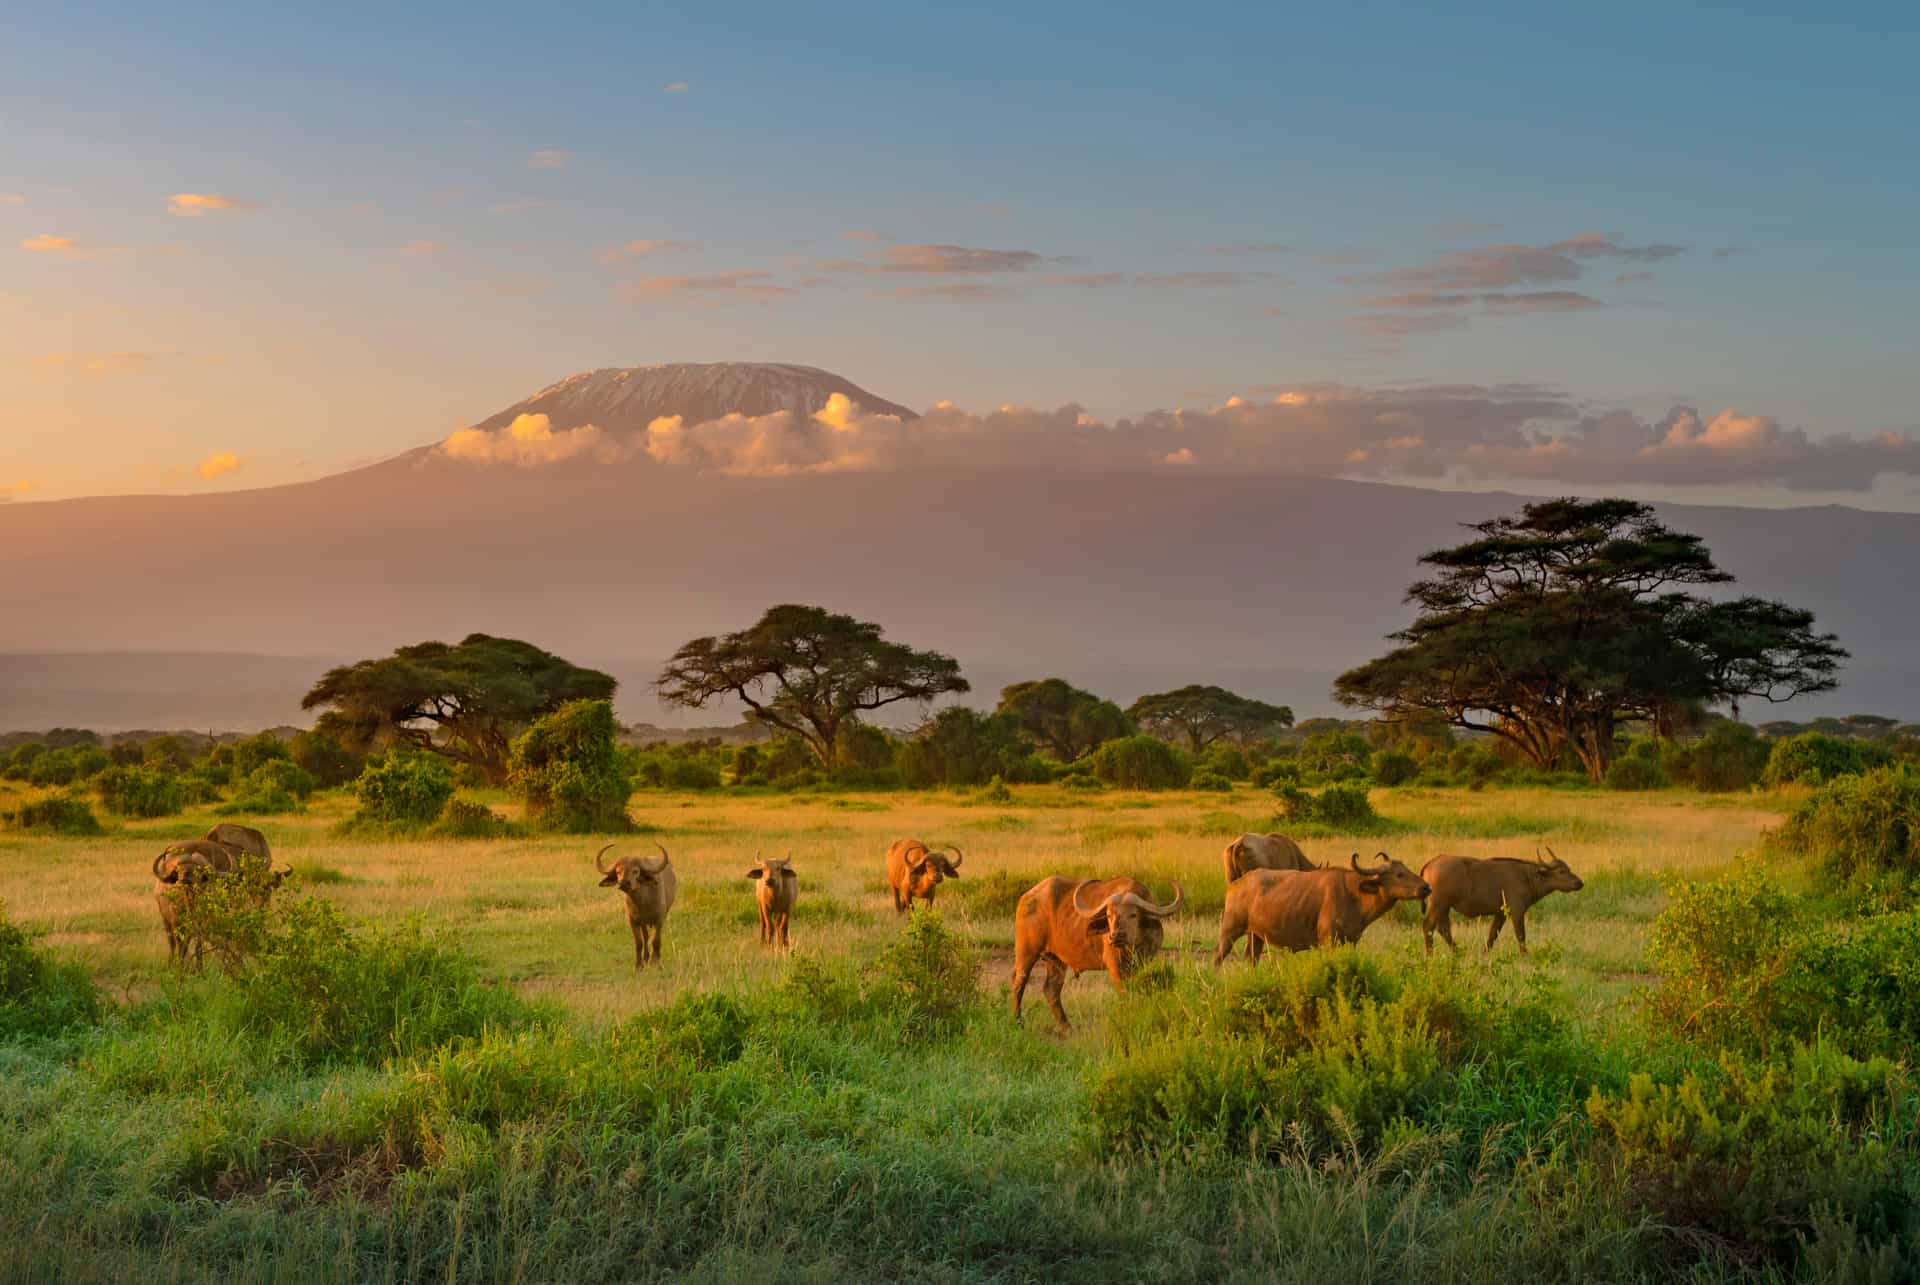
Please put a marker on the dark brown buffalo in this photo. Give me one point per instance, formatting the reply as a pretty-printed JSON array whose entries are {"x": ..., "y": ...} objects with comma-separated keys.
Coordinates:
[
  {"x": 915, "y": 870},
  {"x": 1083, "y": 925},
  {"x": 649, "y": 886},
  {"x": 1503, "y": 887},
  {"x": 241, "y": 838},
  {"x": 1300, "y": 909},
  {"x": 176, "y": 877}
]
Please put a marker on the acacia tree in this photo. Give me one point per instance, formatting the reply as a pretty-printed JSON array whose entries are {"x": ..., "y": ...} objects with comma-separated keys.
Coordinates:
[
  {"x": 465, "y": 701},
  {"x": 1205, "y": 714},
  {"x": 807, "y": 671},
  {"x": 1555, "y": 624},
  {"x": 1066, "y": 721}
]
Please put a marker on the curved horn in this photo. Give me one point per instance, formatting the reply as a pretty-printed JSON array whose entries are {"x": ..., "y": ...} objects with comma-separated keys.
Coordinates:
[
  {"x": 666, "y": 859},
  {"x": 925, "y": 856},
  {"x": 156, "y": 864},
  {"x": 1554, "y": 855},
  {"x": 957, "y": 857},
  {"x": 597, "y": 863},
  {"x": 1157, "y": 910},
  {"x": 1078, "y": 907},
  {"x": 1354, "y": 861}
]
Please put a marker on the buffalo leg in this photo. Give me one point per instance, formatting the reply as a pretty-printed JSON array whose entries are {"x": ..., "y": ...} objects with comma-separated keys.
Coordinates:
[
  {"x": 1230, "y": 931},
  {"x": 783, "y": 932},
  {"x": 1056, "y": 981},
  {"x": 1499, "y": 917},
  {"x": 1520, "y": 930},
  {"x": 639, "y": 947},
  {"x": 1017, "y": 985},
  {"x": 1256, "y": 946}
]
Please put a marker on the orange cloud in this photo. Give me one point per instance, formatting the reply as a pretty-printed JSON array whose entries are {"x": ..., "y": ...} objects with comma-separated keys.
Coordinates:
[
  {"x": 13, "y": 491},
  {"x": 640, "y": 249},
  {"x": 528, "y": 442},
  {"x": 191, "y": 205},
  {"x": 219, "y": 464}
]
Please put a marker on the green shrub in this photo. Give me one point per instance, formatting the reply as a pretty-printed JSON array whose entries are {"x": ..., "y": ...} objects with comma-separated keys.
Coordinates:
[
  {"x": 250, "y": 755},
  {"x": 66, "y": 814},
  {"x": 996, "y": 791},
  {"x": 20, "y": 762},
  {"x": 141, "y": 792},
  {"x": 39, "y": 995},
  {"x": 1747, "y": 967},
  {"x": 1343, "y": 807},
  {"x": 1473, "y": 766},
  {"x": 568, "y": 770},
  {"x": 1227, "y": 760},
  {"x": 1731, "y": 756},
  {"x": 1277, "y": 773},
  {"x": 403, "y": 789},
  {"x": 276, "y": 786},
  {"x": 1859, "y": 829},
  {"x": 928, "y": 980},
  {"x": 1813, "y": 758},
  {"x": 1211, "y": 781},
  {"x": 462, "y": 819},
  {"x": 54, "y": 768},
  {"x": 690, "y": 774},
  {"x": 1393, "y": 767},
  {"x": 1636, "y": 772},
  {"x": 330, "y": 993},
  {"x": 1141, "y": 763},
  {"x": 1755, "y": 1154},
  {"x": 325, "y": 759}
]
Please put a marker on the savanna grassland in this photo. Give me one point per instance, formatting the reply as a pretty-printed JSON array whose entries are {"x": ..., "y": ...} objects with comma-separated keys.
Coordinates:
[{"x": 486, "y": 1090}]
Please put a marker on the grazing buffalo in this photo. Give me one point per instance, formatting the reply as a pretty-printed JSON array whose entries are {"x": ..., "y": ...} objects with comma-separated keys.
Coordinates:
[
  {"x": 1299, "y": 909},
  {"x": 1083, "y": 925},
  {"x": 779, "y": 889},
  {"x": 1262, "y": 852},
  {"x": 223, "y": 857},
  {"x": 175, "y": 879},
  {"x": 1501, "y": 886},
  {"x": 241, "y": 838},
  {"x": 649, "y": 886},
  {"x": 915, "y": 870}
]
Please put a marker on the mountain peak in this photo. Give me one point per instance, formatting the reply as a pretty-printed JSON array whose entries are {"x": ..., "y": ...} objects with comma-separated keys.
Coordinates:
[{"x": 629, "y": 398}]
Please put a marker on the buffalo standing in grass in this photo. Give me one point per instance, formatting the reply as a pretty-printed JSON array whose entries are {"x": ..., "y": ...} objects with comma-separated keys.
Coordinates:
[
  {"x": 1501, "y": 886},
  {"x": 914, "y": 871},
  {"x": 1083, "y": 925},
  {"x": 1300, "y": 909},
  {"x": 1262, "y": 852},
  {"x": 649, "y": 886},
  {"x": 779, "y": 889},
  {"x": 176, "y": 877},
  {"x": 241, "y": 838}
]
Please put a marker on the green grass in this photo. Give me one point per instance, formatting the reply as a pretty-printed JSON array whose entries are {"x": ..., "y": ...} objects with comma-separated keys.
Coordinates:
[{"x": 595, "y": 1138}]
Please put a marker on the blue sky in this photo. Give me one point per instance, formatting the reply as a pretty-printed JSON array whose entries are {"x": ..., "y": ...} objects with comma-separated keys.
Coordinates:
[{"x": 427, "y": 208}]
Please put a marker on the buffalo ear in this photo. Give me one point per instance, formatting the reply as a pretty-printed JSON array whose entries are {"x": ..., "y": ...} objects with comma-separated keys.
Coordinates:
[
  {"x": 171, "y": 876},
  {"x": 611, "y": 880},
  {"x": 952, "y": 873},
  {"x": 755, "y": 873},
  {"x": 1097, "y": 924}
]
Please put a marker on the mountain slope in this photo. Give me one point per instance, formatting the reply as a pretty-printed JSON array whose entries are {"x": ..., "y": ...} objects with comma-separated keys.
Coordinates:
[
  {"x": 627, "y": 400},
  {"x": 1125, "y": 581}
]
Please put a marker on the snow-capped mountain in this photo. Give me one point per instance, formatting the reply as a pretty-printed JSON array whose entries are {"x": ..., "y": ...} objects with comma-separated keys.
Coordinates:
[{"x": 627, "y": 400}]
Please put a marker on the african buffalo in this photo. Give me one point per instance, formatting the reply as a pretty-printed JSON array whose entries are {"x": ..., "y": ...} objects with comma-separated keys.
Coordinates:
[
  {"x": 1299, "y": 909},
  {"x": 241, "y": 838},
  {"x": 175, "y": 879},
  {"x": 1262, "y": 852},
  {"x": 779, "y": 888},
  {"x": 649, "y": 886},
  {"x": 1083, "y": 925},
  {"x": 915, "y": 870},
  {"x": 1500, "y": 886}
]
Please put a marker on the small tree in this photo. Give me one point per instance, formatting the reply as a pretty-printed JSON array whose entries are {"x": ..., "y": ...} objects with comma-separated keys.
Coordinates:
[
  {"x": 807, "y": 672},
  {"x": 325, "y": 758},
  {"x": 403, "y": 789},
  {"x": 1206, "y": 714},
  {"x": 1064, "y": 720},
  {"x": 960, "y": 746},
  {"x": 1142, "y": 763},
  {"x": 567, "y": 768},
  {"x": 466, "y": 702},
  {"x": 141, "y": 792}
]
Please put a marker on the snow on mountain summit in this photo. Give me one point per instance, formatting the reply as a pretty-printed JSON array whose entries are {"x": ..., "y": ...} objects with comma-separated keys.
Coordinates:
[{"x": 621, "y": 400}]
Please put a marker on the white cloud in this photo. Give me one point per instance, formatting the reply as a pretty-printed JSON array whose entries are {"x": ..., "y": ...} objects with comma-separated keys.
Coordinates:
[{"x": 529, "y": 442}]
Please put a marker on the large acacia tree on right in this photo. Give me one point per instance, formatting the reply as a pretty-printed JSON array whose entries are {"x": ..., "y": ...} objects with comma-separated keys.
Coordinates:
[{"x": 1555, "y": 624}]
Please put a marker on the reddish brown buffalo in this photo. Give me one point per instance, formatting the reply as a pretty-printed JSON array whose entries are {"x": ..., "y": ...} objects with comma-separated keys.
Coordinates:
[
  {"x": 1501, "y": 886},
  {"x": 1300, "y": 909},
  {"x": 915, "y": 870},
  {"x": 1083, "y": 925},
  {"x": 648, "y": 886},
  {"x": 779, "y": 889},
  {"x": 176, "y": 877},
  {"x": 1262, "y": 852}
]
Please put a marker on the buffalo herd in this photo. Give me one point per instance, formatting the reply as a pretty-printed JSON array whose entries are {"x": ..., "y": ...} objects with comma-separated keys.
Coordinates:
[{"x": 1275, "y": 897}]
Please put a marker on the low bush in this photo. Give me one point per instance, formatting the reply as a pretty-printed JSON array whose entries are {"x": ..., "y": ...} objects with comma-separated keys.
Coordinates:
[
  {"x": 401, "y": 790},
  {"x": 928, "y": 981},
  {"x": 1814, "y": 758},
  {"x": 1731, "y": 756},
  {"x": 1141, "y": 763},
  {"x": 323, "y": 757},
  {"x": 1393, "y": 767},
  {"x": 1859, "y": 829},
  {"x": 1343, "y": 808},
  {"x": 63, "y": 814},
  {"x": 141, "y": 791},
  {"x": 1755, "y": 1155},
  {"x": 54, "y": 768},
  {"x": 568, "y": 770},
  {"x": 40, "y": 996},
  {"x": 276, "y": 786},
  {"x": 1636, "y": 772},
  {"x": 1213, "y": 782},
  {"x": 1227, "y": 760},
  {"x": 463, "y": 819}
]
